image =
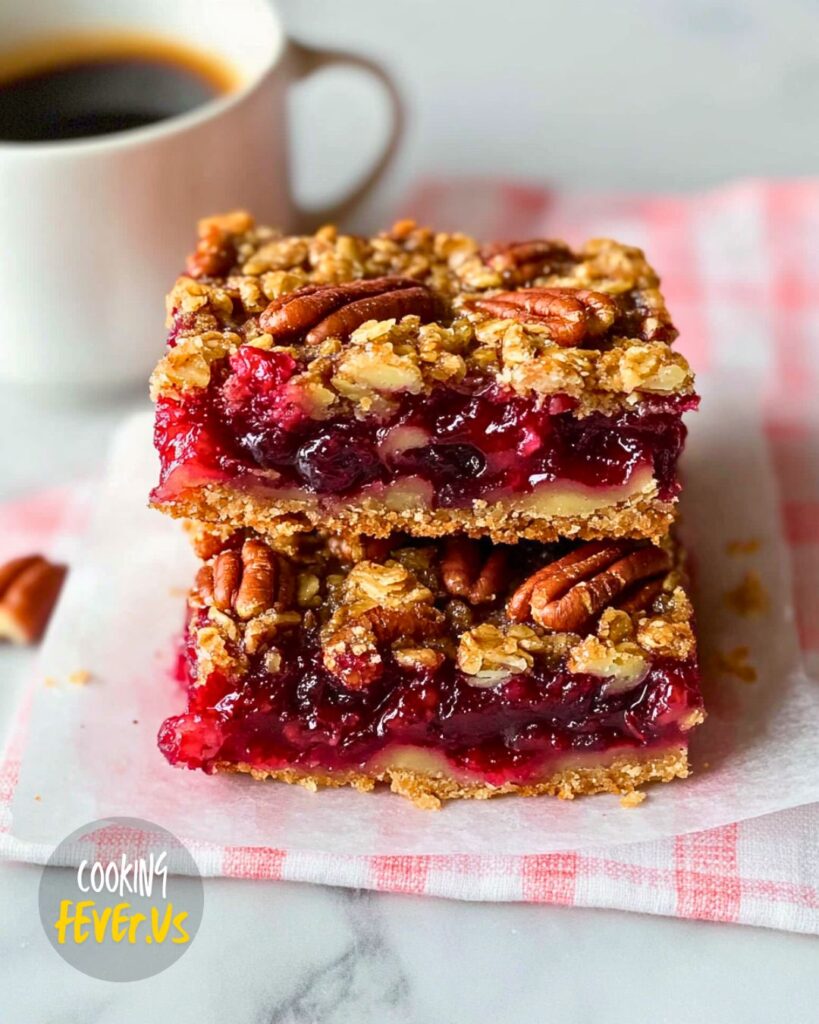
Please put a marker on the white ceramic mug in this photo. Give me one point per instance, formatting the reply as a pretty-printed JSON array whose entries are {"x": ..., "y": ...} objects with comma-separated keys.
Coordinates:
[{"x": 94, "y": 231}]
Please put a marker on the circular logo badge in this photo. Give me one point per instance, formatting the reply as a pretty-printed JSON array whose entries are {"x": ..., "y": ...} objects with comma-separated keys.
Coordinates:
[{"x": 121, "y": 899}]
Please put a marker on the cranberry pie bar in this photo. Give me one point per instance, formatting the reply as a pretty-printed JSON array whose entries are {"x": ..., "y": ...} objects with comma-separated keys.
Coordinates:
[
  {"x": 419, "y": 382},
  {"x": 446, "y": 668}
]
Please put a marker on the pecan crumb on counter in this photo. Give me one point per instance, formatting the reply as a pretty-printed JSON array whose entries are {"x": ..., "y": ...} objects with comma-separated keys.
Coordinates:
[
  {"x": 750, "y": 546},
  {"x": 735, "y": 663},
  {"x": 29, "y": 587},
  {"x": 749, "y": 597}
]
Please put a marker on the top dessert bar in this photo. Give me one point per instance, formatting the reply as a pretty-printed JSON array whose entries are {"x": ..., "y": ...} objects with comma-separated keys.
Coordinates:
[{"x": 419, "y": 381}]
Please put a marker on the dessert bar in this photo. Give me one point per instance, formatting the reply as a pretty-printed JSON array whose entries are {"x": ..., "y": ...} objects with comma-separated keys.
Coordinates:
[
  {"x": 446, "y": 668},
  {"x": 419, "y": 382}
]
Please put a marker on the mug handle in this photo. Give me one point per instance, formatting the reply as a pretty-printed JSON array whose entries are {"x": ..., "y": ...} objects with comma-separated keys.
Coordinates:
[{"x": 306, "y": 60}]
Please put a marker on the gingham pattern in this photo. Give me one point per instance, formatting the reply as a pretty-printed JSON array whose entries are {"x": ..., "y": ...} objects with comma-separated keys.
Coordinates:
[{"x": 741, "y": 274}]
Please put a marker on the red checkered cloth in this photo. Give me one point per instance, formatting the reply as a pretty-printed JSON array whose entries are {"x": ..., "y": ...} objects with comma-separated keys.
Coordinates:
[{"x": 741, "y": 274}]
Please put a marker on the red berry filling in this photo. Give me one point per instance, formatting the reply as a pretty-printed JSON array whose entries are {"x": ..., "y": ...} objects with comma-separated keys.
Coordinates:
[
  {"x": 302, "y": 716},
  {"x": 468, "y": 444}
]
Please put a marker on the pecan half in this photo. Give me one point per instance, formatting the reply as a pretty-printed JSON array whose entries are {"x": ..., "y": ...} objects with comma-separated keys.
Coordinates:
[
  {"x": 227, "y": 575},
  {"x": 29, "y": 588},
  {"x": 565, "y": 595},
  {"x": 559, "y": 576},
  {"x": 336, "y": 310},
  {"x": 257, "y": 587},
  {"x": 247, "y": 582},
  {"x": 641, "y": 598},
  {"x": 573, "y": 315},
  {"x": 519, "y": 263},
  {"x": 465, "y": 574}
]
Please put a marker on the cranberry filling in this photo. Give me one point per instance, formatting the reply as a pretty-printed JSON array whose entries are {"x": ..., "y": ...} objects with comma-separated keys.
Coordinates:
[
  {"x": 338, "y": 459},
  {"x": 302, "y": 716},
  {"x": 475, "y": 442}
]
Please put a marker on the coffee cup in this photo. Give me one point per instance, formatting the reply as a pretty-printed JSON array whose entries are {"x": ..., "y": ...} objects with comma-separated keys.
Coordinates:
[{"x": 95, "y": 221}]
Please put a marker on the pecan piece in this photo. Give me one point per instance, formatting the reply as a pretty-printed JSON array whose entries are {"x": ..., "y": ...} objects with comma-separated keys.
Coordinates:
[
  {"x": 331, "y": 310},
  {"x": 465, "y": 575},
  {"x": 521, "y": 262},
  {"x": 355, "y": 548},
  {"x": 216, "y": 249},
  {"x": 227, "y": 575},
  {"x": 573, "y": 315},
  {"x": 351, "y": 651},
  {"x": 580, "y": 587},
  {"x": 641, "y": 598},
  {"x": 257, "y": 588},
  {"x": 213, "y": 256},
  {"x": 29, "y": 588},
  {"x": 203, "y": 586},
  {"x": 247, "y": 582},
  {"x": 557, "y": 577}
]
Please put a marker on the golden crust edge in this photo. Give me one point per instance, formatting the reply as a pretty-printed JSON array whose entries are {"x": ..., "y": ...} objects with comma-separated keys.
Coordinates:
[
  {"x": 428, "y": 791},
  {"x": 640, "y": 518}
]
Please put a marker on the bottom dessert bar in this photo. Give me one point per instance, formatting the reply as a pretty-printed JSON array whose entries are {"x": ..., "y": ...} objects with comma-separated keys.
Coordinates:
[{"x": 447, "y": 669}]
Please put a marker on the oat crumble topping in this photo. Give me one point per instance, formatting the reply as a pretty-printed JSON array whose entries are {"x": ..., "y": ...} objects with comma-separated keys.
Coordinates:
[
  {"x": 401, "y": 603},
  {"x": 239, "y": 268}
]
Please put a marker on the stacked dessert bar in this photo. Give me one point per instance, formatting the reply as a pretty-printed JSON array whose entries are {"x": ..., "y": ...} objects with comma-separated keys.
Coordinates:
[{"x": 431, "y": 483}]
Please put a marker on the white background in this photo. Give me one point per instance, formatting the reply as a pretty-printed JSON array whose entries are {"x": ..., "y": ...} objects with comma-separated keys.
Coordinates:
[{"x": 628, "y": 94}]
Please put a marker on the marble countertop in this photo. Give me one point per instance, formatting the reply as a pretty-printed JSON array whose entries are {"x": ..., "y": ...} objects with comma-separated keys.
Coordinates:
[{"x": 276, "y": 952}]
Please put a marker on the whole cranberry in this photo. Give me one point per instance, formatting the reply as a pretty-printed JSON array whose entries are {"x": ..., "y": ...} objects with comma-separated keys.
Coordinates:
[
  {"x": 271, "y": 447},
  {"x": 439, "y": 463},
  {"x": 337, "y": 460}
]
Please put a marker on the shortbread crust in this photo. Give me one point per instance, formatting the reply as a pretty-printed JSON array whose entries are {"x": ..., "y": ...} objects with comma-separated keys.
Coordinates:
[
  {"x": 428, "y": 791},
  {"x": 642, "y": 516}
]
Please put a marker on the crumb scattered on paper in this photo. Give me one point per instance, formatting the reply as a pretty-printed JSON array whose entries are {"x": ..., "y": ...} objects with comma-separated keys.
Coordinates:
[
  {"x": 735, "y": 663},
  {"x": 50, "y": 682},
  {"x": 80, "y": 678},
  {"x": 743, "y": 547},
  {"x": 37, "y": 796},
  {"x": 749, "y": 597},
  {"x": 633, "y": 799}
]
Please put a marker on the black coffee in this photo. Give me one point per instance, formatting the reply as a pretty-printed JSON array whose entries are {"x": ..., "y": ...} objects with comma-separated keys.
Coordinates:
[{"x": 72, "y": 96}]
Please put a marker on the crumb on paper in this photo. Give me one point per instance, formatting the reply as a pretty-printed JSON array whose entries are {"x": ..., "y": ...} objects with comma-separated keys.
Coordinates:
[
  {"x": 50, "y": 682},
  {"x": 37, "y": 797},
  {"x": 632, "y": 799},
  {"x": 177, "y": 592},
  {"x": 749, "y": 597},
  {"x": 743, "y": 547},
  {"x": 82, "y": 677},
  {"x": 134, "y": 721},
  {"x": 735, "y": 663}
]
